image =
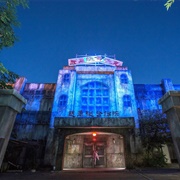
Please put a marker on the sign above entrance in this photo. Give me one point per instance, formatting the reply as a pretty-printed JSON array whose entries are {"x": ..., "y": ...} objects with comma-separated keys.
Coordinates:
[
  {"x": 94, "y": 122},
  {"x": 94, "y": 60}
]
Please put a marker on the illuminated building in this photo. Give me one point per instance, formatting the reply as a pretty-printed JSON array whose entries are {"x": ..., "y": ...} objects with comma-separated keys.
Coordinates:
[{"x": 93, "y": 95}]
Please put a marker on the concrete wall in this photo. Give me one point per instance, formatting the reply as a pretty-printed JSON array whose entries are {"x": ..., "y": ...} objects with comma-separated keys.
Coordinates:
[
  {"x": 11, "y": 103},
  {"x": 33, "y": 122},
  {"x": 171, "y": 106},
  {"x": 81, "y": 76}
]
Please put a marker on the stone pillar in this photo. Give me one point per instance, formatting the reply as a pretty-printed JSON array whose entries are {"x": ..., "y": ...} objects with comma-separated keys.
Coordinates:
[
  {"x": 171, "y": 106},
  {"x": 11, "y": 103}
]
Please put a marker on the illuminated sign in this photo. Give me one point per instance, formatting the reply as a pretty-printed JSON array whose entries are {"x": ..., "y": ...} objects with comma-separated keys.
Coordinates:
[{"x": 94, "y": 59}]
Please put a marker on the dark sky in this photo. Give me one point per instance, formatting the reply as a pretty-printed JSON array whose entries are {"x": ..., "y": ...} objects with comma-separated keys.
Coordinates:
[{"x": 141, "y": 33}]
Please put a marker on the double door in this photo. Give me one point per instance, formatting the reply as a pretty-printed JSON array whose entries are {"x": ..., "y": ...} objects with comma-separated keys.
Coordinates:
[{"x": 94, "y": 155}]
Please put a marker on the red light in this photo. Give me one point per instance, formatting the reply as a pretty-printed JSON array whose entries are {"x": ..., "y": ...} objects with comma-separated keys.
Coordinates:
[{"x": 94, "y": 134}]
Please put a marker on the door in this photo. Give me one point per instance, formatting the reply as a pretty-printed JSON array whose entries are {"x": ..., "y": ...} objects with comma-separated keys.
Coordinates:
[{"x": 94, "y": 155}]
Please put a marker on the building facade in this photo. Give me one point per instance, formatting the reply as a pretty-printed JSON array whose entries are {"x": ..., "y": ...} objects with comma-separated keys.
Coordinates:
[{"x": 88, "y": 118}]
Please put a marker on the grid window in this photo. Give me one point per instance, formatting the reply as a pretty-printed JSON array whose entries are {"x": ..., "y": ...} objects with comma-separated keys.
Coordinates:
[
  {"x": 62, "y": 101},
  {"x": 127, "y": 101},
  {"x": 95, "y": 97},
  {"x": 124, "y": 79},
  {"x": 66, "y": 78}
]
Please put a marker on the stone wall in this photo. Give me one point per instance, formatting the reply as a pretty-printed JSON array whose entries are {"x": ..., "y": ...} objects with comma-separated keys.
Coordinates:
[{"x": 73, "y": 151}]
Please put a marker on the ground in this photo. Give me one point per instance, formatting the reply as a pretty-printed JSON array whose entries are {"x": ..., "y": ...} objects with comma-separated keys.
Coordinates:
[{"x": 139, "y": 174}]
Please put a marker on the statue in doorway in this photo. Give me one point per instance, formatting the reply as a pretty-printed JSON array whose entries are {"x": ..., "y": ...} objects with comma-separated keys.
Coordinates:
[{"x": 95, "y": 156}]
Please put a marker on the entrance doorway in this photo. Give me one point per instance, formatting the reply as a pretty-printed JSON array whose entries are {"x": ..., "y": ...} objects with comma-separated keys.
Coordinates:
[
  {"x": 94, "y": 154},
  {"x": 82, "y": 150}
]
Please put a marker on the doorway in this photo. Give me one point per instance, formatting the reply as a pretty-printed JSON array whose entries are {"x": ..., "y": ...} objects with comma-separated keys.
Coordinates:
[
  {"x": 82, "y": 151},
  {"x": 94, "y": 154}
]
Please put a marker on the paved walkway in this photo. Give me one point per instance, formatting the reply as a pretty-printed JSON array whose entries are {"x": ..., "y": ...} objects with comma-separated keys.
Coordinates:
[{"x": 145, "y": 174}]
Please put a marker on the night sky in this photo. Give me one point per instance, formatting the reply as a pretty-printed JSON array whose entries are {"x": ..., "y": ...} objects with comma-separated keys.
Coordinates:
[{"x": 141, "y": 33}]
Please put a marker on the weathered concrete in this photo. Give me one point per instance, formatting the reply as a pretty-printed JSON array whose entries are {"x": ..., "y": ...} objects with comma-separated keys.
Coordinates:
[
  {"x": 11, "y": 102},
  {"x": 171, "y": 106}
]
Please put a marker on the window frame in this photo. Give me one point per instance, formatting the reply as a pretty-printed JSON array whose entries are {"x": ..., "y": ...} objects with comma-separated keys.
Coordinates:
[
  {"x": 127, "y": 101},
  {"x": 124, "y": 78},
  {"x": 66, "y": 78},
  {"x": 93, "y": 96},
  {"x": 62, "y": 102}
]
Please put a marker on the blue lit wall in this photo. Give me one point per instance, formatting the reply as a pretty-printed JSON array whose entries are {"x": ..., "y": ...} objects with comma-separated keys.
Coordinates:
[
  {"x": 123, "y": 89},
  {"x": 33, "y": 121},
  {"x": 147, "y": 95},
  {"x": 119, "y": 96},
  {"x": 106, "y": 76}
]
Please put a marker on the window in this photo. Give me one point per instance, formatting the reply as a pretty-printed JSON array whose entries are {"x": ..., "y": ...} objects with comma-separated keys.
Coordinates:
[
  {"x": 127, "y": 101},
  {"x": 95, "y": 98},
  {"x": 124, "y": 79},
  {"x": 62, "y": 101},
  {"x": 66, "y": 78}
]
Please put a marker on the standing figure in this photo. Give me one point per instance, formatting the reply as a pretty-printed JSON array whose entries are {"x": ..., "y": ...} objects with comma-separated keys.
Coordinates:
[{"x": 95, "y": 156}]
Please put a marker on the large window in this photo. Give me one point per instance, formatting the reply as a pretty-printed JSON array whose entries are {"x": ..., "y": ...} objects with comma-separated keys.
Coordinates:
[
  {"x": 124, "y": 79},
  {"x": 62, "y": 101},
  {"x": 127, "y": 101},
  {"x": 95, "y": 98}
]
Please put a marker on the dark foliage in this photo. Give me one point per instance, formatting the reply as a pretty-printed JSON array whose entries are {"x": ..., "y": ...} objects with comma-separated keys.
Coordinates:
[{"x": 154, "y": 131}]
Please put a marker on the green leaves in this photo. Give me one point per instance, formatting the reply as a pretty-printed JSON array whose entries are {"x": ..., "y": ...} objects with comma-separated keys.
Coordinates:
[
  {"x": 7, "y": 78},
  {"x": 8, "y": 21},
  {"x": 168, "y": 4}
]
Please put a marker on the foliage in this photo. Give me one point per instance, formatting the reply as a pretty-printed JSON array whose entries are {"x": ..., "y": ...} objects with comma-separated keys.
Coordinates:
[
  {"x": 168, "y": 4},
  {"x": 8, "y": 20},
  {"x": 7, "y": 78},
  {"x": 154, "y": 131},
  {"x": 155, "y": 159}
]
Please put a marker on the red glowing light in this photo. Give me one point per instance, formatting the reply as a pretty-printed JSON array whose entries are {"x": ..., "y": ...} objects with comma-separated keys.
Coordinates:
[{"x": 94, "y": 134}]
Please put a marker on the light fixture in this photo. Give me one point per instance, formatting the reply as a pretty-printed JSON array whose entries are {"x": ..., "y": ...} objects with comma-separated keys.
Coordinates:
[
  {"x": 114, "y": 141},
  {"x": 94, "y": 134}
]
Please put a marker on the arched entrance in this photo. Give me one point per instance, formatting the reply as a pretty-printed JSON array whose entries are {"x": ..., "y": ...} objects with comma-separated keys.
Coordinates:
[{"x": 93, "y": 150}]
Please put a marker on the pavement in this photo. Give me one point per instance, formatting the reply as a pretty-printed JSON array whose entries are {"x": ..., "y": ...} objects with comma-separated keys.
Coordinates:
[{"x": 135, "y": 174}]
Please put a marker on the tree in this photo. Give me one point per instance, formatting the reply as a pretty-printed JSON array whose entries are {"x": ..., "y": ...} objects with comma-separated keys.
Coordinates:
[
  {"x": 8, "y": 21},
  {"x": 168, "y": 4},
  {"x": 154, "y": 132},
  {"x": 7, "y": 78}
]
